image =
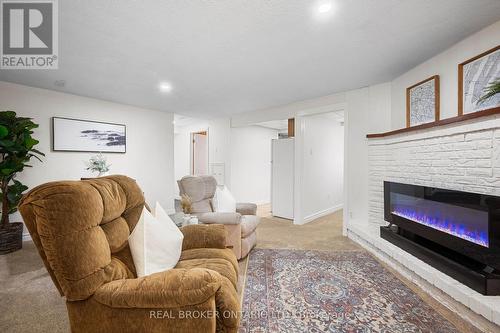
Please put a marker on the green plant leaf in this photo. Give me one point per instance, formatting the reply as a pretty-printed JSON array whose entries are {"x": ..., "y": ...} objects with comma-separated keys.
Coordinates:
[
  {"x": 38, "y": 158},
  {"x": 3, "y": 131},
  {"x": 16, "y": 149},
  {"x": 7, "y": 143},
  {"x": 12, "y": 196},
  {"x": 37, "y": 152},
  {"x": 7, "y": 115},
  {"x": 6, "y": 171}
]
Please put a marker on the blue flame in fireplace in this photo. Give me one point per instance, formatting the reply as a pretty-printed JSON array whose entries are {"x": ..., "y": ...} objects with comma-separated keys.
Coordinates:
[{"x": 465, "y": 223}]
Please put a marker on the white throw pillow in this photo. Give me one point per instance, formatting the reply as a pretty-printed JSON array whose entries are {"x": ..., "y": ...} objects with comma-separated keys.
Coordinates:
[
  {"x": 155, "y": 242},
  {"x": 223, "y": 201}
]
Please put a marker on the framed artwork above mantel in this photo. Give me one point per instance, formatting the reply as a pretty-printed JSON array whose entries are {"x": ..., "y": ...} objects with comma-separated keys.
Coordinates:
[
  {"x": 422, "y": 102},
  {"x": 474, "y": 77}
]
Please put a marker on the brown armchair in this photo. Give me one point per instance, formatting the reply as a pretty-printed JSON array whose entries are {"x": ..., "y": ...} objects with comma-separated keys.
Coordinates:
[{"x": 81, "y": 229}]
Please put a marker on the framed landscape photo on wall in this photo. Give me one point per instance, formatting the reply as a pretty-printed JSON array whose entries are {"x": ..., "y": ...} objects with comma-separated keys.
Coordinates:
[
  {"x": 475, "y": 77},
  {"x": 422, "y": 102},
  {"x": 79, "y": 135}
]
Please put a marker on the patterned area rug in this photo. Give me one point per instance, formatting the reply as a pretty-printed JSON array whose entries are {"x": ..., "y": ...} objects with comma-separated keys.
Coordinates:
[{"x": 321, "y": 291}]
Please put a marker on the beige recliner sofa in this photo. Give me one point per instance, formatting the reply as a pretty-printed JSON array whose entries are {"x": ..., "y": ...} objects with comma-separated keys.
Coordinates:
[{"x": 240, "y": 225}]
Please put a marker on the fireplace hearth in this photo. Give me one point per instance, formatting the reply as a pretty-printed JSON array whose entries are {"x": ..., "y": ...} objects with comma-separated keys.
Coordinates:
[{"x": 456, "y": 232}]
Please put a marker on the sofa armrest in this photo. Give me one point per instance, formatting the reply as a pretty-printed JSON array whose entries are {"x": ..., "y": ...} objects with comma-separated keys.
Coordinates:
[
  {"x": 170, "y": 289},
  {"x": 246, "y": 208},
  {"x": 228, "y": 304},
  {"x": 203, "y": 236},
  {"x": 220, "y": 218}
]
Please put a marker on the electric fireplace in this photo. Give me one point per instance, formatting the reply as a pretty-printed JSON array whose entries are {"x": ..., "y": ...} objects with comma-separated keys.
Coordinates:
[
  {"x": 456, "y": 232},
  {"x": 466, "y": 223}
]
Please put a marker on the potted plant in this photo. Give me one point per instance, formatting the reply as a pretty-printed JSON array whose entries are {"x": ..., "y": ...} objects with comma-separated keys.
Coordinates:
[
  {"x": 16, "y": 150},
  {"x": 187, "y": 208},
  {"x": 186, "y": 204},
  {"x": 98, "y": 163}
]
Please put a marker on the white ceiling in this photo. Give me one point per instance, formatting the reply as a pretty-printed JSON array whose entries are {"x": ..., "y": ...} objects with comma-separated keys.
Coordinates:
[{"x": 229, "y": 56}]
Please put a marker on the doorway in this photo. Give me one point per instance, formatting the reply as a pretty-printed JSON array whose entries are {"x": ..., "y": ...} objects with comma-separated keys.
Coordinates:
[
  {"x": 321, "y": 169},
  {"x": 199, "y": 153}
]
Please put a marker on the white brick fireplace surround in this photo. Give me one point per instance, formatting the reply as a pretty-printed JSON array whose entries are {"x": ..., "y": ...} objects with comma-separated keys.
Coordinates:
[{"x": 461, "y": 156}]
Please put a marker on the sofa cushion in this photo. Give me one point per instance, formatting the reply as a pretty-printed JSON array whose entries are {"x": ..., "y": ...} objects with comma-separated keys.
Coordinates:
[
  {"x": 203, "y": 236},
  {"x": 198, "y": 187},
  {"x": 222, "y": 266},
  {"x": 203, "y": 206},
  {"x": 223, "y": 201},
  {"x": 219, "y": 218},
  {"x": 248, "y": 224},
  {"x": 169, "y": 289},
  {"x": 205, "y": 253},
  {"x": 246, "y": 208},
  {"x": 81, "y": 228},
  {"x": 155, "y": 243},
  {"x": 227, "y": 301}
]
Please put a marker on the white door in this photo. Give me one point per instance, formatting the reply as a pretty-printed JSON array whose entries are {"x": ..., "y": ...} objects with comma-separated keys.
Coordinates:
[
  {"x": 282, "y": 177},
  {"x": 200, "y": 154}
]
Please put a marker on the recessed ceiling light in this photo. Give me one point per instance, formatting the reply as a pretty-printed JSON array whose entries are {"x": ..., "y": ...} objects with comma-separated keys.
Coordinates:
[
  {"x": 165, "y": 87},
  {"x": 325, "y": 7}
]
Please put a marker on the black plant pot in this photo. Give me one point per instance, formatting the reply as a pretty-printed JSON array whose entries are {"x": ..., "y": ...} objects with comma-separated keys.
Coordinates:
[{"x": 11, "y": 238}]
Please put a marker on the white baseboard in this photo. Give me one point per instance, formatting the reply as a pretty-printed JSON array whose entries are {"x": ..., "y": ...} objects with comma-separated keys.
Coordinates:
[
  {"x": 26, "y": 237},
  {"x": 322, "y": 213}
]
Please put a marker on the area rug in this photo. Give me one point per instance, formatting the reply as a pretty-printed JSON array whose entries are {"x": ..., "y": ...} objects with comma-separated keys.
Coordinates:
[{"x": 324, "y": 291}]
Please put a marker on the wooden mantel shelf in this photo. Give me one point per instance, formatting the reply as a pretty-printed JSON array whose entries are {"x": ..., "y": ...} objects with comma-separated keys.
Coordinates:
[{"x": 447, "y": 121}]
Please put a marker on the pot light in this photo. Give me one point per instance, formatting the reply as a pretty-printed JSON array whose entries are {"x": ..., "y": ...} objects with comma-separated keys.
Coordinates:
[
  {"x": 165, "y": 87},
  {"x": 324, "y": 7}
]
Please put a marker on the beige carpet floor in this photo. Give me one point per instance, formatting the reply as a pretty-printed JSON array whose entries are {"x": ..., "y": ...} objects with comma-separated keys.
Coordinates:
[
  {"x": 325, "y": 233},
  {"x": 29, "y": 302}
]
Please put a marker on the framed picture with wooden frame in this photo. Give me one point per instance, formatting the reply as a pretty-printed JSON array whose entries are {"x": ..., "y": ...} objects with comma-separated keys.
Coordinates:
[
  {"x": 474, "y": 77},
  {"x": 422, "y": 102}
]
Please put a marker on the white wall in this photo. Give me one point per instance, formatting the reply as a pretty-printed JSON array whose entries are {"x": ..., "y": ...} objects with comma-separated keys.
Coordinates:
[
  {"x": 219, "y": 131},
  {"x": 182, "y": 150},
  {"x": 382, "y": 107},
  {"x": 182, "y": 158},
  {"x": 446, "y": 66},
  {"x": 149, "y": 156},
  {"x": 368, "y": 111},
  {"x": 251, "y": 163},
  {"x": 329, "y": 103},
  {"x": 219, "y": 147},
  {"x": 245, "y": 152},
  {"x": 323, "y": 166},
  {"x": 374, "y": 109}
]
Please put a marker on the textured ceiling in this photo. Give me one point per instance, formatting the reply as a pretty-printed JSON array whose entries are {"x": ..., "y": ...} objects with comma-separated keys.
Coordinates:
[{"x": 229, "y": 56}]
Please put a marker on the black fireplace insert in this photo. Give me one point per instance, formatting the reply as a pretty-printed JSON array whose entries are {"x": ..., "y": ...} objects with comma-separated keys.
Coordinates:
[{"x": 461, "y": 227}]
